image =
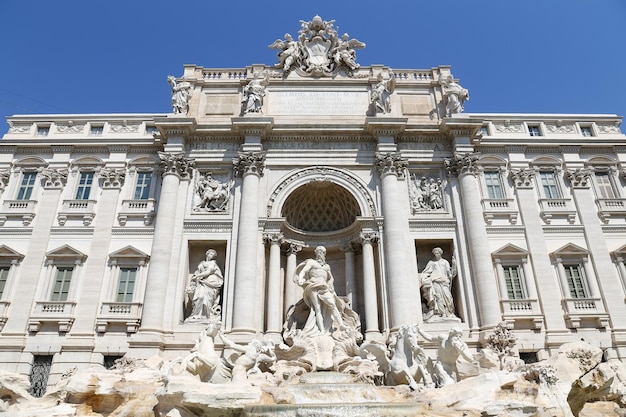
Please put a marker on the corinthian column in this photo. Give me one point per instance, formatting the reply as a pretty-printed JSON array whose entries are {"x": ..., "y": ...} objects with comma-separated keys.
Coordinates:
[
  {"x": 174, "y": 167},
  {"x": 402, "y": 297},
  {"x": 249, "y": 166},
  {"x": 463, "y": 165},
  {"x": 274, "y": 305},
  {"x": 369, "y": 285},
  {"x": 291, "y": 289}
]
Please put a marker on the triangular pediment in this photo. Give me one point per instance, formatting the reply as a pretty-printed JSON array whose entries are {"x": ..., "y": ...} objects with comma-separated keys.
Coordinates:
[
  {"x": 620, "y": 251},
  {"x": 66, "y": 252},
  {"x": 128, "y": 252},
  {"x": 8, "y": 254},
  {"x": 571, "y": 250},
  {"x": 510, "y": 251}
]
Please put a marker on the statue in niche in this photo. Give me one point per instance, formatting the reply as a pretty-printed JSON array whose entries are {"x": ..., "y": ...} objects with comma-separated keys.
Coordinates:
[
  {"x": 455, "y": 95},
  {"x": 326, "y": 309},
  {"x": 254, "y": 92},
  {"x": 211, "y": 195},
  {"x": 426, "y": 194},
  {"x": 449, "y": 347},
  {"x": 381, "y": 94},
  {"x": 181, "y": 93},
  {"x": 204, "y": 289},
  {"x": 436, "y": 282},
  {"x": 289, "y": 52}
]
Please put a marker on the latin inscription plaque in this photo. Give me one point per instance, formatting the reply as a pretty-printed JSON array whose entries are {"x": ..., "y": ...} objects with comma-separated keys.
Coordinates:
[{"x": 314, "y": 103}]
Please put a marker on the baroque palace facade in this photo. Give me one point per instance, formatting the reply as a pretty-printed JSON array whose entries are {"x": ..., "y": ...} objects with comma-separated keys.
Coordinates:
[{"x": 105, "y": 220}]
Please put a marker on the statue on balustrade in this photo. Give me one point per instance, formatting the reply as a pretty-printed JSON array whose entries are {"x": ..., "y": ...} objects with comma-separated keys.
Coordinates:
[
  {"x": 181, "y": 93},
  {"x": 436, "y": 282},
  {"x": 204, "y": 289},
  {"x": 254, "y": 92},
  {"x": 455, "y": 95},
  {"x": 381, "y": 94}
]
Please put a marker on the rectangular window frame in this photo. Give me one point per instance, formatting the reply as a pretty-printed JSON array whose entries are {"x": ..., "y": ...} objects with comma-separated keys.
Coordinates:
[
  {"x": 27, "y": 185},
  {"x": 96, "y": 130},
  {"x": 62, "y": 282},
  {"x": 85, "y": 184},
  {"x": 534, "y": 130},
  {"x": 576, "y": 280},
  {"x": 587, "y": 131},
  {"x": 143, "y": 185},
  {"x": 493, "y": 184},
  {"x": 550, "y": 185},
  {"x": 605, "y": 188},
  {"x": 5, "y": 270},
  {"x": 126, "y": 284},
  {"x": 515, "y": 285}
]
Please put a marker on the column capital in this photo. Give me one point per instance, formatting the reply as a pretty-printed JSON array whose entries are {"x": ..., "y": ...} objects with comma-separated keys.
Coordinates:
[
  {"x": 273, "y": 238},
  {"x": 523, "y": 177},
  {"x": 292, "y": 248},
  {"x": 249, "y": 163},
  {"x": 54, "y": 177},
  {"x": 4, "y": 178},
  {"x": 112, "y": 178},
  {"x": 368, "y": 237},
  {"x": 462, "y": 163},
  {"x": 391, "y": 163},
  {"x": 176, "y": 163},
  {"x": 579, "y": 177}
]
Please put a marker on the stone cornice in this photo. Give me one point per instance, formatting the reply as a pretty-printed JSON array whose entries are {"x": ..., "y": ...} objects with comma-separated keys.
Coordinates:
[
  {"x": 460, "y": 127},
  {"x": 385, "y": 126},
  {"x": 252, "y": 125},
  {"x": 174, "y": 126}
]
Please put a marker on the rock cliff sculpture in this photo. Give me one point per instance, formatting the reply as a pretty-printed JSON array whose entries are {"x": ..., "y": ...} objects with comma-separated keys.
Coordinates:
[
  {"x": 436, "y": 281},
  {"x": 203, "y": 360},
  {"x": 204, "y": 289},
  {"x": 248, "y": 358}
]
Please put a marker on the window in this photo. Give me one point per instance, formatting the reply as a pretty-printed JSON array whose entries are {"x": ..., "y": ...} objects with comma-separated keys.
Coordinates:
[
  {"x": 4, "y": 275},
  {"x": 151, "y": 130},
  {"x": 550, "y": 187},
  {"x": 534, "y": 130},
  {"x": 575, "y": 281},
  {"x": 586, "y": 131},
  {"x": 514, "y": 282},
  {"x": 96, "y": 130},
  {"x": 43, "y": 130},
  {"x": 484, "y": 130},
  {"x": 62, "y": 281},
  {"x": 26, "y": 187},
  {"x": 126, "y": 285},
  {"x": 605, "y": 187},
  {"x": 142, "y": 187},
  {"x": 494, "y": 187},
  {"x": 84, "y": 185}
]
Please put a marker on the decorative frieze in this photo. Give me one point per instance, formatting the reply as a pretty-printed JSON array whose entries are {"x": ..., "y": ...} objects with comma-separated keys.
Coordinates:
[
  {"x": 19, "y": 128},
  {"x": 176, "y": 163},
  {"x": 70, "y": 127},
  {"x": 462, "y": 163},
  {"x": 608, "y": 128},
  {"x": 391, "y": 163},
  {"x": 125, "y": 127},
  {"x": 507, "y": 127},
  {"x": 579, "y": 178},
  {"x": 523, "y": 177},
  {"x": 249, "y": 163},
  {"x": 560, "y": 127},
  {"x": 54, "y": 178}
]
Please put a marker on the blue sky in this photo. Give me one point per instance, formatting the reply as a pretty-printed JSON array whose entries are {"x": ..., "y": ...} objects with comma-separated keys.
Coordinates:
[{"x": 93, "y": 56}]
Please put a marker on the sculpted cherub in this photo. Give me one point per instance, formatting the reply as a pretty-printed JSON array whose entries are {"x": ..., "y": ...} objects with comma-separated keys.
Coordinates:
[{"x": 289, "y": 52}]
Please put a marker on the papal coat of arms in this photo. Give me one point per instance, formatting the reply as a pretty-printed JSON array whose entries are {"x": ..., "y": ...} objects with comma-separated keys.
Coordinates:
[{"x": 319, "y": 51}]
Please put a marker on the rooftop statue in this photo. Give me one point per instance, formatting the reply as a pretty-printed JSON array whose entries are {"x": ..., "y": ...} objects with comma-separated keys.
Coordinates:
[
  {"x": 381, "y": 94},
  {"x": 319, "y": 51},
  {"x": 455, "y": 95},
  {"x": 181, "y": 93},
  {"x": 254, "y": 92}
]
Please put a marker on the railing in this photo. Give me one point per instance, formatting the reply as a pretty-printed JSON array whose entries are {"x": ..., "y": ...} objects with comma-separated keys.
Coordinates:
[
  {"x": 19, "y": 205},
  {"x": 557, "y": 207},
  {"x": 403, "y": 75},
  {"x": 54, "y": 308},
  {"x": 224, "y": 74},
  {"x": 78, "y": 205},
  {"x": 499, "y": 207},
  {"x": 126, "y": 314},
  {"x": 520, "y": 307},
  {"x": 583, "y": 305},
  {"x": 135, "y": 206},
  {"x": 579, "y": 310}
]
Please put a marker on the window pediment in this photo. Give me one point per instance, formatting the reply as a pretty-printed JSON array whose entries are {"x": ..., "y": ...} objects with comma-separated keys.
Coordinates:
[
  {"x": 66, "y": 253},
  {"x": 8, "y": 255}
]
